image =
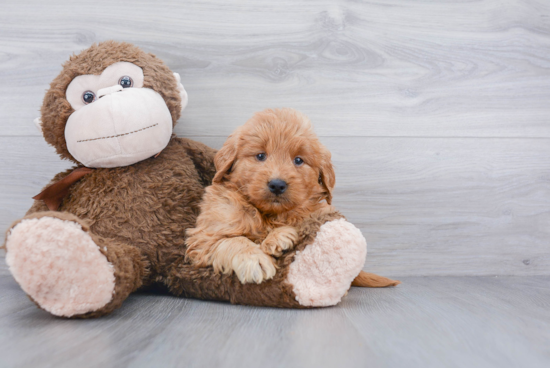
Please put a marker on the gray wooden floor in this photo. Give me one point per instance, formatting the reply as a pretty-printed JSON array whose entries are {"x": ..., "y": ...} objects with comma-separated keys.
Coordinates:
[{"x": 425, "y": 322}]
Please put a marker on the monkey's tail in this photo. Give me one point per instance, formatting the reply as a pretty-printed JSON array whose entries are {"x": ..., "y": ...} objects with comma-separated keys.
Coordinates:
[{"x": 365, "y": 279}]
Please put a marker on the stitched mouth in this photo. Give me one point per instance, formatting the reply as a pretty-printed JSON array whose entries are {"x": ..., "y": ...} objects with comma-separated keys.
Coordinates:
[{"x": 117, "y": 135}]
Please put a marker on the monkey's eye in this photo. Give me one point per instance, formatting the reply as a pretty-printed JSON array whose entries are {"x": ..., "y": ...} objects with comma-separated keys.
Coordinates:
[
  {"x": 88, "y": 97},
  {"x": 261, "y": 156},
  {"x": 298, "y": 161},
  {"x": 126, "y": 82}
]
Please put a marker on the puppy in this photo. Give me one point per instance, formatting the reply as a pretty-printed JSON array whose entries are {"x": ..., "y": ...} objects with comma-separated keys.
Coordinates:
[{"x": 272, "y": 173}]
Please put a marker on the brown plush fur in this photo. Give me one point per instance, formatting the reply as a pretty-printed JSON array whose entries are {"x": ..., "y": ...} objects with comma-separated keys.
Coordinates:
[
  {"x": 138, "y": 214},
  {"x": 203, "y": 283},
  {"x": 242, "y": 223}
]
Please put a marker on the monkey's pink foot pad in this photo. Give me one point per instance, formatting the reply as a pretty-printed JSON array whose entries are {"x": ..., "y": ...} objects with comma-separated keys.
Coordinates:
[
  {"x": 322, "y": 273},
  {"x": 59, "y": 266}
]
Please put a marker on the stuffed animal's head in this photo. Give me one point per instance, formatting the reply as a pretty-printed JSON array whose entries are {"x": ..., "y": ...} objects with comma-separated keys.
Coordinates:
[{"x": 112, "y": 105}]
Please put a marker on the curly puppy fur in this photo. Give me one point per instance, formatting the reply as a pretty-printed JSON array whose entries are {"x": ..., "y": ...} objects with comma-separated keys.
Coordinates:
[
  {"x": 242, "y": 222},
  {"x": 56, "y": 109}
]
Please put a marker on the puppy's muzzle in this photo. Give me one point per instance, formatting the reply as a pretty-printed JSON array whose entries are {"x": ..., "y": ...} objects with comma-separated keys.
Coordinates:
[{"x": 277, "y": 186}]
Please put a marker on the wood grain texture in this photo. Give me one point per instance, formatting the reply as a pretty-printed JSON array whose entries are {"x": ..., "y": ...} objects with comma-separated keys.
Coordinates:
[
  {"x": 425, "y": 322},
  {"x": 431, "y": 206},
  {"x": 437, "y": 113},
  {"x": 392, "y": 68}
]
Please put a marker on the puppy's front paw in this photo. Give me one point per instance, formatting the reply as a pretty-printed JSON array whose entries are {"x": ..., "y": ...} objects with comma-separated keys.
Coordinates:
[
  {"x": 279, "y": 240},
  {"x": 254, "y": 267}
]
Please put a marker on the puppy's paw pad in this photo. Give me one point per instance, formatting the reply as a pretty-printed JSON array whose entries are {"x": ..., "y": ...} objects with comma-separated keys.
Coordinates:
[{"x": 254, "y": 268}]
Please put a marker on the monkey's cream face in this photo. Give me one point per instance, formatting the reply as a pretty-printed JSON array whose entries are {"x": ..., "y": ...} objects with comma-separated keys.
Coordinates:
[{"x": 116, "y": 121}]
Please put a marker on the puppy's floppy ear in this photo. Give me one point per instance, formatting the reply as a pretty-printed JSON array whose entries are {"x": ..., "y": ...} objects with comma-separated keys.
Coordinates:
[
  {"x": 225, "y": 157},
  {"x": 327, "y": 178}
]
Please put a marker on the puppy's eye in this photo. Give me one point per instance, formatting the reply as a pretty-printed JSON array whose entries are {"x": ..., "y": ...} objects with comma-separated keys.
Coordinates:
[
  {"x": 126, "y": 82},
  {"x": 298, "y": 161},
  {"x": 88, "y": 97},
  {"x": 261, "y": 156}
]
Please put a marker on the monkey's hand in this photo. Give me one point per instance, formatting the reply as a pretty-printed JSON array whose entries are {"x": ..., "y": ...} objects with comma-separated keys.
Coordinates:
[{"x": 279, "y": 240}]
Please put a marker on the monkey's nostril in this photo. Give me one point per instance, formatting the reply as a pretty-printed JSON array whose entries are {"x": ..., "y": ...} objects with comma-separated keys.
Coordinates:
[{"x": 277, "y": 186}]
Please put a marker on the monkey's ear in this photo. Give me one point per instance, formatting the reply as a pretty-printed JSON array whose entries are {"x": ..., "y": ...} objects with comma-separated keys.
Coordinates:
[
  {"x": 225, "y": 158},
  {"x": 38, "y": 123},
  {"x": 327, "y": 178},
  {"x": 183, "y": 93}
]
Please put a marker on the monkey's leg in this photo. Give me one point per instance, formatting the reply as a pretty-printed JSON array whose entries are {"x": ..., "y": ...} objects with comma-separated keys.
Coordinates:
[
  {"x": 318, "y": 272},
  {"x": 69, "y": 271},
  {"x": 322, "y": 273}
]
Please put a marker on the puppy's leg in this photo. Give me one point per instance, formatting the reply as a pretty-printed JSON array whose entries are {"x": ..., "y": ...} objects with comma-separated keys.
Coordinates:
[
  {"x": 245, "y": 257},
  {"x": 279, "y": 240}
]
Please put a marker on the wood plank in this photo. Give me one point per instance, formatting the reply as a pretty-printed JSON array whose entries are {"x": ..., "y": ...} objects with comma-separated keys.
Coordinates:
[
  {"x": 456, "y": 321},
  {"x": 426, "y": 206},
  {"x": 451, "y": 69},
  {"x": 447, "y": 206},
  {"x": 425, "y": 322}
]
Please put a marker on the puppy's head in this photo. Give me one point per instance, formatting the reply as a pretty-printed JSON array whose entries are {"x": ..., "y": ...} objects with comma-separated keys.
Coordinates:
[{"x": 277, "y": 162}]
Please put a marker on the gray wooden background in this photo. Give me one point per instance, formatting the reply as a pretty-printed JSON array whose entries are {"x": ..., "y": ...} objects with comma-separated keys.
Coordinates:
[{"x": 437, "y": 112}]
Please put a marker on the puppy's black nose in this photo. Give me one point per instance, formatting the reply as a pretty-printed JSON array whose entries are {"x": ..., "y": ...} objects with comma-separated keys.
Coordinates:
[{"x": 277, "y": 186}]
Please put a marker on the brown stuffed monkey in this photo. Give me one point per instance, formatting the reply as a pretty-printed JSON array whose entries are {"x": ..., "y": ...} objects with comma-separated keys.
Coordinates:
[{"x": 116, "y": 222}]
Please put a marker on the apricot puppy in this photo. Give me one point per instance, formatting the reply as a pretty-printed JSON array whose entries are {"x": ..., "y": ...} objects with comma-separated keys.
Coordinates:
[{"x": 272, "y": 173}]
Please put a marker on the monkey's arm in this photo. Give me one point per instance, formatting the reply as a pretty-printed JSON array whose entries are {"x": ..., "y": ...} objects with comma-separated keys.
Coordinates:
[
  {"x": 39, "y": 205},
  {"x": 202, "y": 157}
]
